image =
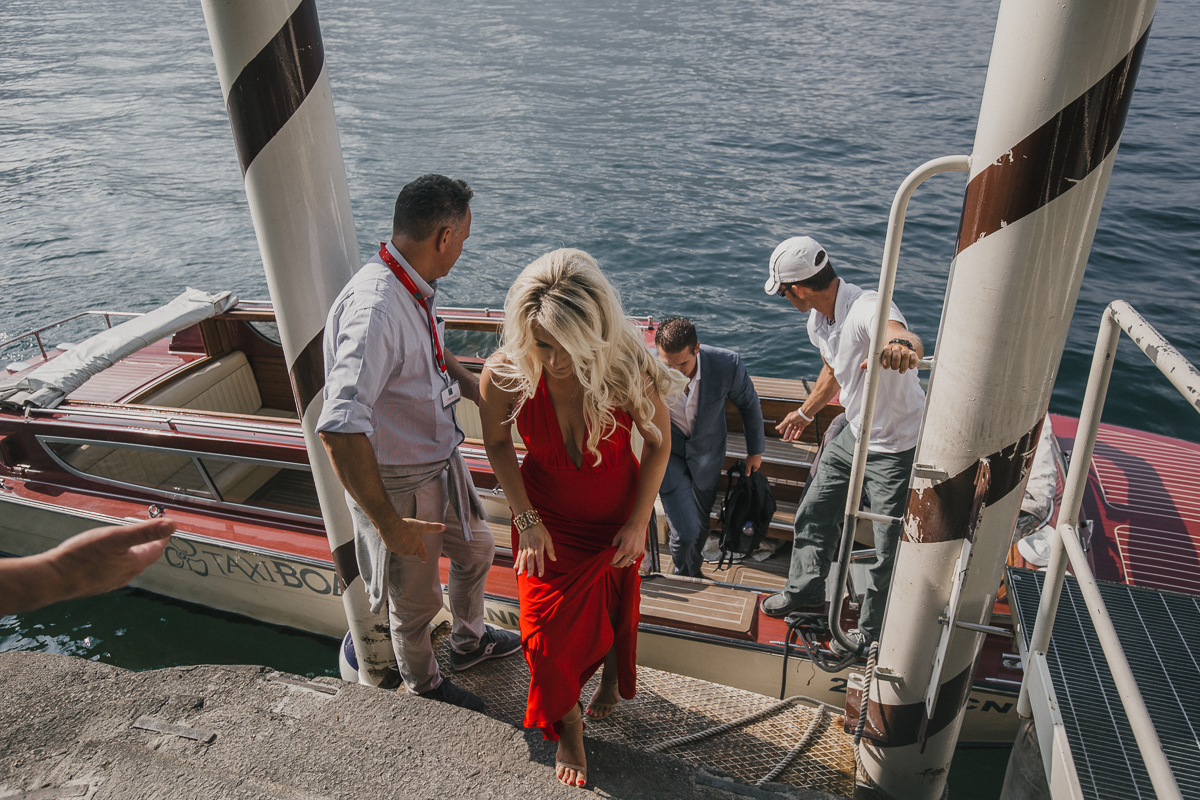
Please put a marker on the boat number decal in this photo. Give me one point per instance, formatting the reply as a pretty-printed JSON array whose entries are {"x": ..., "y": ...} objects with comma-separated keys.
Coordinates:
[
  {"x": 507, "y": 618},
  {"x": 491, "y": 613},
  {"x": 839, "y": 685},
  {"x": 182, "y": 554},
  {"x": 988, "y": 705}
]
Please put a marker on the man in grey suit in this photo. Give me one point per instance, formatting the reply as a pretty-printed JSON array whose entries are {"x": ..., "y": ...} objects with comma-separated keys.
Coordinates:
[{"x": 698, "y": 434}]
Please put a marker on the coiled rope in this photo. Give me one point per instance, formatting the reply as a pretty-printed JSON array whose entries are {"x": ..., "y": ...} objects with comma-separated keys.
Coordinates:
[
  {"x": 821, "y": 708},
  {"x": 795, "y": 751}
]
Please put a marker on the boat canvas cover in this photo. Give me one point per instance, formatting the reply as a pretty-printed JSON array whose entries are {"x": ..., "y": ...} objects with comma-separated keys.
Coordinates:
[{"x": 49, "y": 384}]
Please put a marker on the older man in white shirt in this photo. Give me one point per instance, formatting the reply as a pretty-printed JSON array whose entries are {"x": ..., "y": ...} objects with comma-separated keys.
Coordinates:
[{"x": 389, "y": 426}]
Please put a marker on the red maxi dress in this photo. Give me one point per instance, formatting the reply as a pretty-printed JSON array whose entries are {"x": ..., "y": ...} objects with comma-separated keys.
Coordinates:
[{"x": 565, "y": 614}]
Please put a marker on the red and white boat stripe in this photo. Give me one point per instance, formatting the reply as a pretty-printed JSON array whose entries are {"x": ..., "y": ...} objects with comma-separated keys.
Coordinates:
[
  {"x": 271, "y": 63},
  {"x": 1058, "y": 89}
]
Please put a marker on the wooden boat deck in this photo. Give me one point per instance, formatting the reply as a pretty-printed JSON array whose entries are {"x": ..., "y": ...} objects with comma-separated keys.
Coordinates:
[{"x": 699, "y": 605}]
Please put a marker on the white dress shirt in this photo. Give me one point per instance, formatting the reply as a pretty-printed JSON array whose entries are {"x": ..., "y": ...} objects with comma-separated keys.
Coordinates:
[
  {"x": 683, "y": 410},
  {"x": 380, "y": 374}
]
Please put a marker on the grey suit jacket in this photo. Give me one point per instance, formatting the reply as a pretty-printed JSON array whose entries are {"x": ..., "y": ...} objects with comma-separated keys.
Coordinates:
[{"x": 703, "y": 453}]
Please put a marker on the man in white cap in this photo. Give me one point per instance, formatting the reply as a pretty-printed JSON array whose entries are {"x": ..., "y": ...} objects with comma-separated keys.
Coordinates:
[{"x": 841, "y": 317}]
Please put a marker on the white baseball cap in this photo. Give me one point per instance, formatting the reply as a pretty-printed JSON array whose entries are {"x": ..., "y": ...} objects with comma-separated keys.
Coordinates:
[{"x": 795, "y": 259}]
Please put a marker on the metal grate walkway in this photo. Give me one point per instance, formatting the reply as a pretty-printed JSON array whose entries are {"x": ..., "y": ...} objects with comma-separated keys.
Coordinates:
[
  {"x": 1160, "y": 632},
  {"x": 668, "y": 706}
]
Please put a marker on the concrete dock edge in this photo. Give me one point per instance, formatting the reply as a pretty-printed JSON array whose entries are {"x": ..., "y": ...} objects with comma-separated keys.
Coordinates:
[{"x": 67, "y": 730}]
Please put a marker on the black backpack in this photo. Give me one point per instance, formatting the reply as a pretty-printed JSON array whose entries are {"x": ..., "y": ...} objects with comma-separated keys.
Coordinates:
[{"x": 747, "y": 500}]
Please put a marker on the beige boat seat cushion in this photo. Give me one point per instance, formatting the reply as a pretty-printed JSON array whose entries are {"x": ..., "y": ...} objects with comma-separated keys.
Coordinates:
[
  {"x": 237, "y": 481},
  {"x": 467, "y": 414},
  {"x": 223, "y": 384},
  {"x": 156, "y": 469}
]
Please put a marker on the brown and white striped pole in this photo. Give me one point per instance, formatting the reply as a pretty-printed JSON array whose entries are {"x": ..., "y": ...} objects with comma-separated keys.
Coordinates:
[
  {"x": 271, "y": 64},
  {"x": 1057, "y": 92}
]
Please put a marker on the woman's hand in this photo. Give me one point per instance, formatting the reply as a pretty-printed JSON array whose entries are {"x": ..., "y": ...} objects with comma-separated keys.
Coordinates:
[
  {"x": 630, "y": 542},
  {"x": 535, "y": 545}
]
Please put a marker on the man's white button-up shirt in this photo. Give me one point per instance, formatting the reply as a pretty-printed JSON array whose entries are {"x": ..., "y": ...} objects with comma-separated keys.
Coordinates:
[{"x": 380, "y": 375}]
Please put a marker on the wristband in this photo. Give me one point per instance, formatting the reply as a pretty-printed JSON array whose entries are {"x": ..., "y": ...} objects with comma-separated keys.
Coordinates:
[
  {"x": 904, "y": 342},
  {"x": 526, "y": 520},
  {"x": 804, "y": 416}
]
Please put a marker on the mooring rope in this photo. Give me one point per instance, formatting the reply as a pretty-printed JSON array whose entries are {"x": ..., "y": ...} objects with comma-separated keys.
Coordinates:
[
  {"x": 795, "y": 751},
  {"x": 868, "y": 679},
  {"x": 810, "y": 628},
  {"x": 719, "y": 729}
]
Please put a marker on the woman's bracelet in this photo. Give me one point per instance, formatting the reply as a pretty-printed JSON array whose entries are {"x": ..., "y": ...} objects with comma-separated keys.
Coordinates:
[
  {"x": 526, "y": 520},
  {"x": 803, "y": 416}
]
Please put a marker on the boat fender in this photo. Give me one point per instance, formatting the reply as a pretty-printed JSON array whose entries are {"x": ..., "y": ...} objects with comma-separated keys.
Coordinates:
[{"x": 348, "y": 666}]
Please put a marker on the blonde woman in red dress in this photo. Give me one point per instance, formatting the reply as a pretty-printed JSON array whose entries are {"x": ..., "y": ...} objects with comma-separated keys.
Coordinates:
[{"x": 575, "y": 377}]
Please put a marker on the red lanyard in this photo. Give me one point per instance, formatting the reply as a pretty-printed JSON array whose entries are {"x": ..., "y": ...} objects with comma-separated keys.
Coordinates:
[{"x": 403, "y": 277}]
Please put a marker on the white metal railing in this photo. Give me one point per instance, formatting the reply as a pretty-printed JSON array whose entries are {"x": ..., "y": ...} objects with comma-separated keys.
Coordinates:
[
  {"x": 36, "y": 333},
  {"x": 263, "y": 306},
  {"x": 887, "y": 281},
  {"x": 1067, "y": 547}
]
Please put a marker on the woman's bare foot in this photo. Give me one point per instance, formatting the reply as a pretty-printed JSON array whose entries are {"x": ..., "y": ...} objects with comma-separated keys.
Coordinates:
[
  {"x": 604, "y": 699},
  {"x": 570, "y": 762}
]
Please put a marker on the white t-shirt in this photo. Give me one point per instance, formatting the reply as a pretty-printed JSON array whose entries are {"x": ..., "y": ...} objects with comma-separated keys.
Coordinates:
[{"x": 844, "y": 344}]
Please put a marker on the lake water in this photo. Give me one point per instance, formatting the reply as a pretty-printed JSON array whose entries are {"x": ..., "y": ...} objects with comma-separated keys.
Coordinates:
[{"x": 677, "y": 142}]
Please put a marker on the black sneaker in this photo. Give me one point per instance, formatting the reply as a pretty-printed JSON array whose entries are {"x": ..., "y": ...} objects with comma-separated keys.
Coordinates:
[
  {"x": 780, "y": 605},
  {"x": 448, "y": 692},
  {"x": 495, "y": 643}
]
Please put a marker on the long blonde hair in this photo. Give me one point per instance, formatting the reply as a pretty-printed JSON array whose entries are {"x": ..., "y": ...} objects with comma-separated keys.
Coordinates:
[{"x": 565, "y": 292}]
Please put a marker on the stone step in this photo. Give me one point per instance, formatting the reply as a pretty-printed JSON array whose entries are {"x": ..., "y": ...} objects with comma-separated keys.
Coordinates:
[{"x": 67, "y": 722}]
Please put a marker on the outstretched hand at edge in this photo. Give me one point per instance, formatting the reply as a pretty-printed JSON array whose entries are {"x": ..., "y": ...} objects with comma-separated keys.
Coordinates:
[{"x": 92, "y": 562}]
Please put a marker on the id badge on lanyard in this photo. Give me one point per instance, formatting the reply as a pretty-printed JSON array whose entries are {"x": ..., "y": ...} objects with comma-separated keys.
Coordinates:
[{"x": 452, "y": 393}]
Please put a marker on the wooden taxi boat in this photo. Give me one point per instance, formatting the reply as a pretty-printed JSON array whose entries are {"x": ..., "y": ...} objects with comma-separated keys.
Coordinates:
[{"x": 201, "y": 424}]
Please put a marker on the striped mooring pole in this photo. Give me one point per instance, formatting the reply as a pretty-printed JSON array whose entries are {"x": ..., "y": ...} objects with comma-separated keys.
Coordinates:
[
  {"x": 1058, "y": 89},
  {"x": 271, "y": 64}
]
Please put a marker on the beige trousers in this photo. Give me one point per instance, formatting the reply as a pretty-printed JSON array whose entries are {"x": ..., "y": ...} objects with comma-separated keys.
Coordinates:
[{"x": 415, "y": 587}]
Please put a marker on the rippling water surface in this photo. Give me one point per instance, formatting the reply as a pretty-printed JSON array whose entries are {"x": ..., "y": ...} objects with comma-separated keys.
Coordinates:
[{"x": 677, "y": 142}]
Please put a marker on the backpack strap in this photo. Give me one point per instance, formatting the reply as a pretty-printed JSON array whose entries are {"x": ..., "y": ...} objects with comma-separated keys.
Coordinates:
[
  {"x": 729, "y": 483},
  {"x": 738, "y": 469}
]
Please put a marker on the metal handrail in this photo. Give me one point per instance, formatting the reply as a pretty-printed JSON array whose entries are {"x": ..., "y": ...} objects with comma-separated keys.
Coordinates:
[
  {"x": 1066, "y": 546},
  {"x": 887, "y": 281},
  {"x": 171, "y": 419},
  {"x": 37, "y": 332}
]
